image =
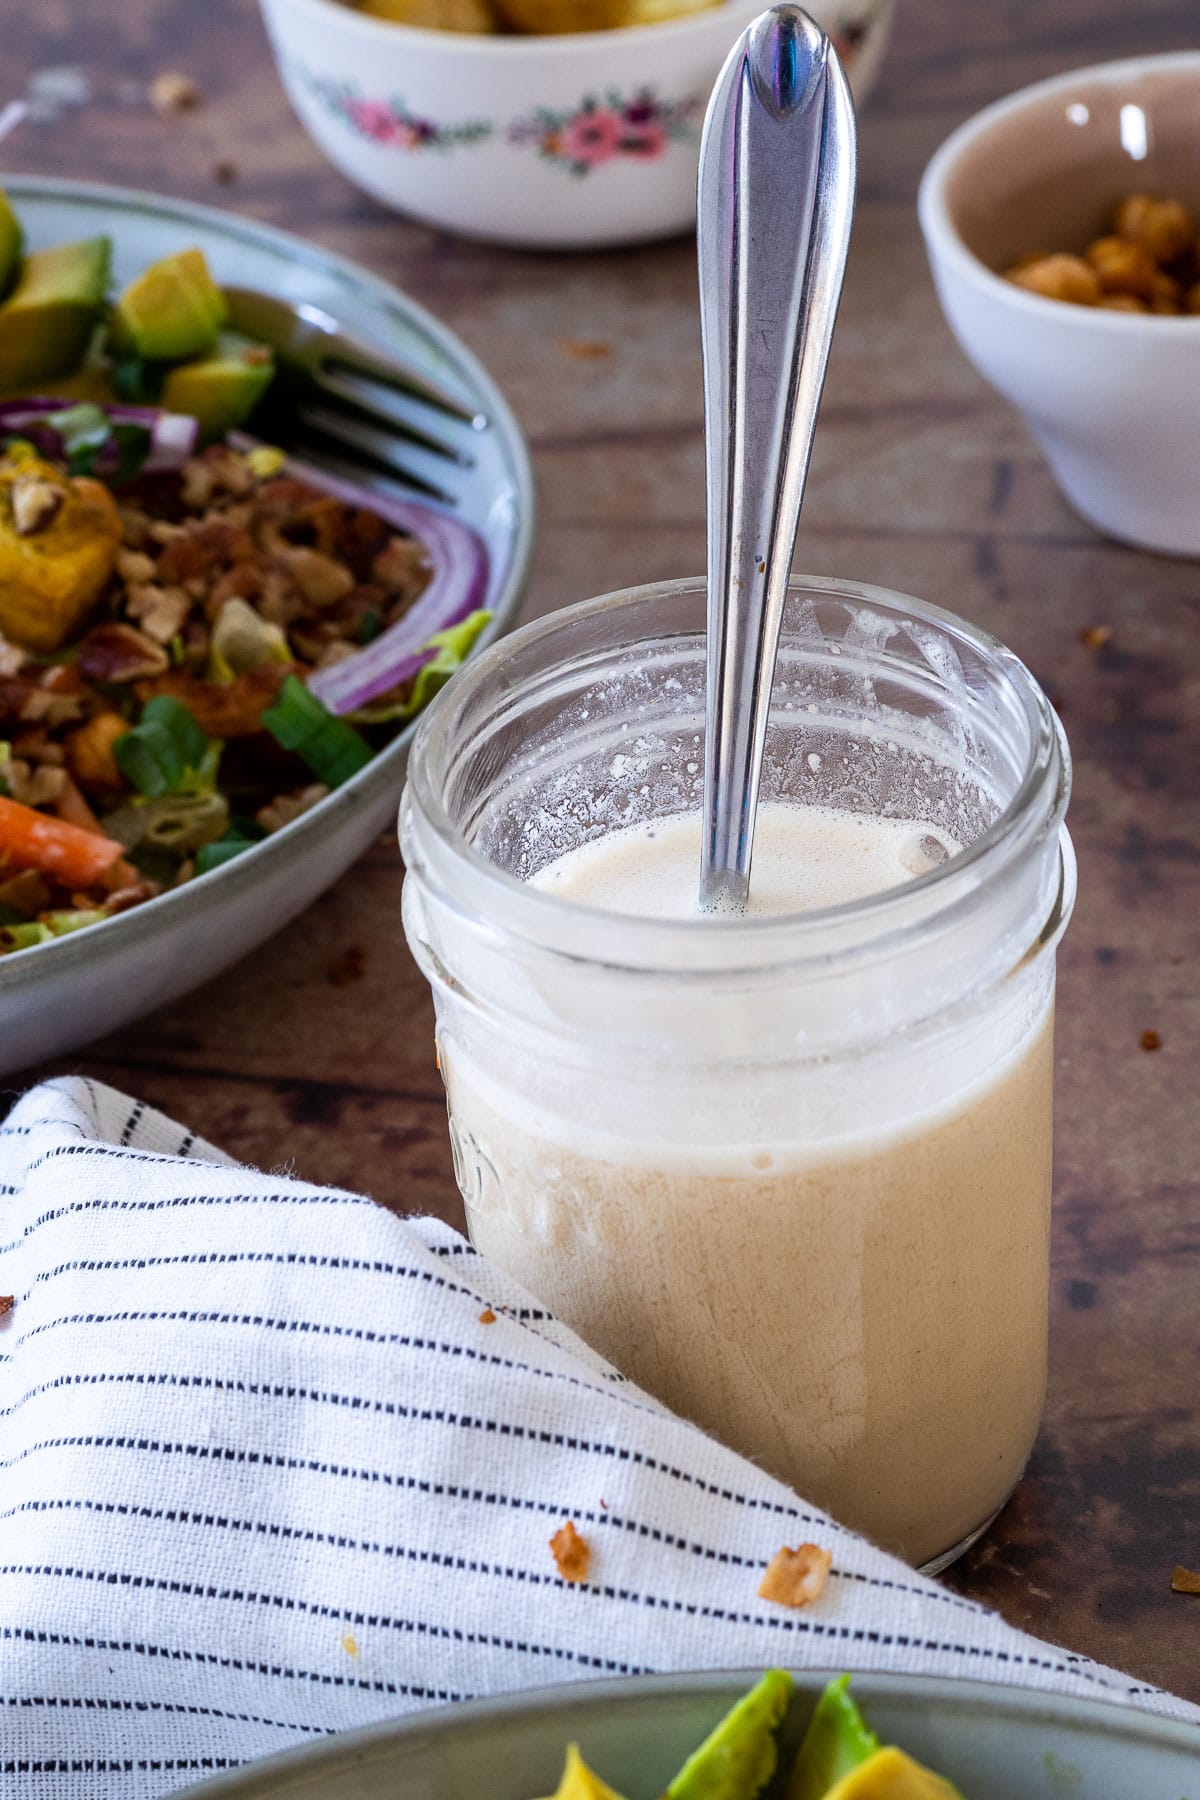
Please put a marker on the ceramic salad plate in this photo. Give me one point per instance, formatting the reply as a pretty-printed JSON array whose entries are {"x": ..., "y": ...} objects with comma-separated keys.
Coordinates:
[
  {"x": 993, "y": 1743},
  {"x": 60, "y": 994}
]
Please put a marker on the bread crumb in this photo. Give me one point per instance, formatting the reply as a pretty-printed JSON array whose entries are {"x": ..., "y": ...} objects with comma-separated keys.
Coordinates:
[
  {"x": 487, "y": 1316},
  {"x": 1095, "y": 637},
  {"x": 171, "y": 92},
  {"x": 1185, "y": 1581},
  {"x": 571, "y": 1553},
  {"x": 6, "y": 1304},
  {"x": 1150, "y": 1040},
  {"x": 585, "y": 349},
  {"x": 796, "y": 1577}
]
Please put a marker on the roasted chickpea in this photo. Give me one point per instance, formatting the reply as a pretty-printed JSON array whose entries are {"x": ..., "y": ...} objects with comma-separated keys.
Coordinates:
[
  {"x": 1122, "y": 267},
  {"x": 1059, "y": 277},
  {"x": 1166, "y": 296},
  {"x": 1163, "y": 227},
  {"x": 1123, "y": 303}
]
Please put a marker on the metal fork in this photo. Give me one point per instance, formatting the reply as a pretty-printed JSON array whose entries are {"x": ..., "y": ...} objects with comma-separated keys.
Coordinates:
[{"x": 338, "y": 400}]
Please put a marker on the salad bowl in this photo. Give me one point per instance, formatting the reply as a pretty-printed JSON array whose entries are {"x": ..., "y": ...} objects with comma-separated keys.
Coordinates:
[
  {"x": 991, "y": 1742},
  {"x": 57, "y": 995}
]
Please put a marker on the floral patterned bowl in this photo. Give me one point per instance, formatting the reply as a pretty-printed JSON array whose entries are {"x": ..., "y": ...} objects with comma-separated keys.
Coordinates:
[{"x": 574, "y": 141}]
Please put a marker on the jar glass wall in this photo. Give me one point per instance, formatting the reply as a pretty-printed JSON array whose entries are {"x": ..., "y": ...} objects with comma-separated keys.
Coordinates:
[{"x": 791, "y": 1174}]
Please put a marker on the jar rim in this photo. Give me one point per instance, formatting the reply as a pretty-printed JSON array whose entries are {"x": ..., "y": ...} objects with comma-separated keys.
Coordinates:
[{"x": 871, "y": 922}]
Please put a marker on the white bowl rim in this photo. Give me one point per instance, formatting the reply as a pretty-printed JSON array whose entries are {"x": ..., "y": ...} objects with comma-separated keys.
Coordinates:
[
  {"x": 946, "y": 245},
  {"x": 174, "y": 909},
  {"x": 541, "y": 45}
]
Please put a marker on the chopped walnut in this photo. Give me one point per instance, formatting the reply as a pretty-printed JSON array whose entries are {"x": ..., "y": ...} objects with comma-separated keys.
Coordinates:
[
  {"x": 571, "y": 1553},
  {"x": 6, "y": 1304},
  {"x": 796, "y": 1577},
  {"x": 134, "y": 566}
]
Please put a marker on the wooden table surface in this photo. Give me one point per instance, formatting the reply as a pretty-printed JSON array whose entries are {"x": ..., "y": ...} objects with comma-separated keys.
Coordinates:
[{"x": 922, "y": 480}]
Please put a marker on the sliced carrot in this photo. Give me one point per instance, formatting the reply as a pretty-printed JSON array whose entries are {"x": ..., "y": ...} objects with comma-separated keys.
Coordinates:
[{"x": 34, "y": 840}]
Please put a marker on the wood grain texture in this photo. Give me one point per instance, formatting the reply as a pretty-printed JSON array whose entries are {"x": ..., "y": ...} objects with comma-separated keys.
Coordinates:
[{"x": 922, "y": 480}]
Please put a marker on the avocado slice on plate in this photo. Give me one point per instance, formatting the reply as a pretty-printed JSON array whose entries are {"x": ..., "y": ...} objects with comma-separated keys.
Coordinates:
[
  {"x": 48, "y": 318},
  {"x": 172, "y": 310},
  {"x": 736, "y": 1761},
  {"x": 10, "y": 243},
  {"x": 220, "y": 390}
]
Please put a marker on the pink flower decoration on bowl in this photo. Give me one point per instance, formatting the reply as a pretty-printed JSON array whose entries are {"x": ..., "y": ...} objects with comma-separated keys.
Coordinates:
[
  {"x": 592, "y": 137},
  {"x": 644, "y": 141}
]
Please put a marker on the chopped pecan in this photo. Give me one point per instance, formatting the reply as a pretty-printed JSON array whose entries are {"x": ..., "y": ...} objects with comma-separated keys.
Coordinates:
[
  {"x": 160, "y": 611},
  {"x": 286, "y": 807},
  {"x": 212, "y": 543},
  {"x": 27, "y": 892},
  {"x": 235, "y": 710},
  {"x": 321, "y": 580},
  {"x": 120, "y": 653}
]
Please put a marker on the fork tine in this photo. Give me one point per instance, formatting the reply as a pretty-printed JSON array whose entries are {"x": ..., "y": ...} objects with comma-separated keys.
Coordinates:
[
  {"x": 309, "y": 338},
  {"x": 340, "y": 394},
  {"x": 345, "y": 438}
]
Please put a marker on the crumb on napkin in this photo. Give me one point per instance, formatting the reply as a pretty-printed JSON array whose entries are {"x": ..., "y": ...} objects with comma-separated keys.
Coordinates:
[
  {"x": 487, "y": 1316},
  {"x": 796, "y": 1577},
  {"x": 1185, "y": 1581},
  {"x": 571, "y": 1553}
]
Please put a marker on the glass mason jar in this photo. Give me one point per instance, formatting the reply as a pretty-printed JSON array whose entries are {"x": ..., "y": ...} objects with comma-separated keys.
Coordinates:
[{"x": 790, "y": 1174}]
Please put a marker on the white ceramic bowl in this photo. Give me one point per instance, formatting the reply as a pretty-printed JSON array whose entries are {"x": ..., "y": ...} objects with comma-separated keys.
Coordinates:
[
  {"x": 1110, "y": 397},
  {"x": 65, "y": 992},
  {"x": 580, "y": 140}
]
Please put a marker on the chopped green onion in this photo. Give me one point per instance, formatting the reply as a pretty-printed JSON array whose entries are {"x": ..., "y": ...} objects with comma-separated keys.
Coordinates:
[
  {"x": 10, "y": 916},
  {"x": 211, "y": 856},
  {"x": 23, "y": 937},
  {"x": 162, "y": 748},
  {"x": 370, "y": 625},
  {"x": 176, "y": 651},
  {"x": 298, "y": 721},
  {"x": 61, "y": 923},
  {"x": 84, "y": 429},
  {"x": 139, "y": 382}
]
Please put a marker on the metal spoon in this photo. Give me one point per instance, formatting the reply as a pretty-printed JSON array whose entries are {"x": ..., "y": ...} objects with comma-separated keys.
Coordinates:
[{"x": 776, "y": 197}]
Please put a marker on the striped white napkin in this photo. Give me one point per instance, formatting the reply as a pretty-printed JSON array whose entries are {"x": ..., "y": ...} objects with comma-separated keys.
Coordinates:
[{"x": 271, "y": 1469}]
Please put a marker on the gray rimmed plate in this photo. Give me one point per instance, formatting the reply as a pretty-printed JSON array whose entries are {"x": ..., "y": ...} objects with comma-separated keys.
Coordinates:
[
  {"x": 994, "y": 1743},
  {"x": 64, "y": 993}
]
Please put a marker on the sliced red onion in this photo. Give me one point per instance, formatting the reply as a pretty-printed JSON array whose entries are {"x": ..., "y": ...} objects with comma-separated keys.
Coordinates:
[
  {"x": 173, "y": 436},
  {"x": 456, "y": 588}
]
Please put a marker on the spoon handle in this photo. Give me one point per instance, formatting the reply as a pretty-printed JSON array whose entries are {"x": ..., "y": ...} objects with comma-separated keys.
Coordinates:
[{"x": 776, "y": 197}]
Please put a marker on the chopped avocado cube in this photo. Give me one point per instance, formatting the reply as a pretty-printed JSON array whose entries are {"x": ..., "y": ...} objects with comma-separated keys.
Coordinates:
[
  {"x": 172, "y": 310},
  {"x": 891, "y": 1775},
  {"x": 838, "y": 1739},
  {"x": 579, "y": 1783},
  {"x": 10, "y": 243},
  {"x": 47, "y": 319},
  {"x": 736, "y": 1761},
  {"x": 220, "y": 390}
]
